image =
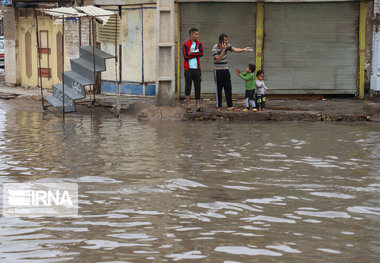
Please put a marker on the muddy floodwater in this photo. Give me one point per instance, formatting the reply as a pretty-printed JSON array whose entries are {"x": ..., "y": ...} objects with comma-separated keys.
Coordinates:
[{"x": 195, "y": 191}]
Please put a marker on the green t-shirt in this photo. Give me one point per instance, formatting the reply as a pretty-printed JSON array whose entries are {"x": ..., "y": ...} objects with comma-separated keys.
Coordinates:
[{"x": 249, "y": 80}]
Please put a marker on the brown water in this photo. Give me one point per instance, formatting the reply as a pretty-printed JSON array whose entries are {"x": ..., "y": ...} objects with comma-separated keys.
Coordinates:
[{"x": 195, "y": 191}]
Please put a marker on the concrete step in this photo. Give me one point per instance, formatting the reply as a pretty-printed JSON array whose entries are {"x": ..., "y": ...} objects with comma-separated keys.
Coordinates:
[
  {"x": 57, "y": 93},
  {"x": 76, "y": 82},
  {"x": 68, "y": 91},
  {"x": 77, "y": 77},
  {"x": 81, "y": 74},
  {"x": 85, "y": 68},
  {"x": 58, "y": 104},
  {"x": 100, "y": 56}
]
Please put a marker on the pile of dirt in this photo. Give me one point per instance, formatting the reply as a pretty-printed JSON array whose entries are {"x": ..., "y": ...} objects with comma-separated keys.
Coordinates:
[
  {"x": 373, "y": 108},
  {"x": 164, "y": 113}
]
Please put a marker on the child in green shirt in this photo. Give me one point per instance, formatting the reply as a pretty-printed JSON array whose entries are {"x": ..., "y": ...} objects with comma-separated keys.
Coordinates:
[{"x": 249, "y": 77}]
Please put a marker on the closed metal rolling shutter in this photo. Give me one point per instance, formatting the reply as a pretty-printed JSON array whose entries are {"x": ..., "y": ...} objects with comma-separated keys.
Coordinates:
[
  {"x": 237, "y": 20},
  {"x": 311, "y": 48}
]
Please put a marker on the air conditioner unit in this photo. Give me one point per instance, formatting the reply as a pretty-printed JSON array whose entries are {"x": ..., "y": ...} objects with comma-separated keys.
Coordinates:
[
  {"x": 375, "y": 83},
  {"x": 375, "y": 77}
]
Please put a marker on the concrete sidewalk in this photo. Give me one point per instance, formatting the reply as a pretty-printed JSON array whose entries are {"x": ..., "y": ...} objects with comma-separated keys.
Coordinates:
[
  {"x": 335, "y": 109},
  {"x": 306, "y": 110},
  {"x": 347, "y": 109}
]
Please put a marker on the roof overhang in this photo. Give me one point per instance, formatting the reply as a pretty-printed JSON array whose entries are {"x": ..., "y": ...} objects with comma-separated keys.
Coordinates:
[{"x": 101, "y": 15}]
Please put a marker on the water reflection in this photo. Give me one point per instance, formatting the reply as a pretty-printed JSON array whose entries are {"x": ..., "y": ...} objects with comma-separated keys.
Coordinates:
[{"x": 195, "y": 192}]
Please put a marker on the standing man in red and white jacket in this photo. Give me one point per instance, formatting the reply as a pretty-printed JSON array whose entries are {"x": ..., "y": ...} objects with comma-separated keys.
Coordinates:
[{"x": 192, "y": 51}]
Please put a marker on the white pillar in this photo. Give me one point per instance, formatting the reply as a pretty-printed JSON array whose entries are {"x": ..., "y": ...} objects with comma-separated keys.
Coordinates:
[
  {"x": 165, "y": 67},
  {"x": 11, "y": 59}
]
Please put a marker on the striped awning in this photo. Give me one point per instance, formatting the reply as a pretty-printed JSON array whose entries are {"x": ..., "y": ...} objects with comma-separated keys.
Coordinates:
[{"x": 100, "y": 14}]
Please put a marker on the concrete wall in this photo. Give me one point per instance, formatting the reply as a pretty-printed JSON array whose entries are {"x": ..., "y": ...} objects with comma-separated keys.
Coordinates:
[
  {"x": 72, "y": 39},
  {"x": 138, "y": 51},
  {"x": 10, "y": 22},
  {"x": 133, "y": 2},
  {"x": 149, "y": 22},
  {"x": 123, "y": 2},
  {"x": 132, "y": 38},
  {"x": 19, "y": 70},
  {"x": 132, "y": 44},
  {"x": 369, "y": 42},
  {"x": 27, "y": 25},
  {"x": 110, "y": 75},
  {"x": 88, "y": 2}
]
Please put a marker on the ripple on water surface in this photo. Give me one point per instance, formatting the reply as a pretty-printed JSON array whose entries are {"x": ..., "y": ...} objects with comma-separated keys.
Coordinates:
[{"x": 195, "y": 192}]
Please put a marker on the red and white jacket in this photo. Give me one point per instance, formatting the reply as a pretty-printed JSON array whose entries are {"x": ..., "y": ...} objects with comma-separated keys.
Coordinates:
[{"x": 189, "y": 55}]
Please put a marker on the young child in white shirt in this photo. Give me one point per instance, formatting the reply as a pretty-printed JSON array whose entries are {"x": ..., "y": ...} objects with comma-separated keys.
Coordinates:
[{"x": 261, "y": 89}]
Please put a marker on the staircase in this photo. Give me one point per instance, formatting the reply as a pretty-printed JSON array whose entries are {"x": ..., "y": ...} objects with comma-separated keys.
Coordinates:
[{"x": 81, "y": 75}]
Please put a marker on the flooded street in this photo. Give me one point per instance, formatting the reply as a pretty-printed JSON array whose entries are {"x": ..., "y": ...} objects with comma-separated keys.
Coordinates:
[{"x": 195, "y": 191}]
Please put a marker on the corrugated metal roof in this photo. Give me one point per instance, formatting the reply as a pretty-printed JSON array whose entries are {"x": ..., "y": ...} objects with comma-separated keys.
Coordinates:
[
  {"x": 100, "y": 14},
  {"x": 63, "y": 11}
]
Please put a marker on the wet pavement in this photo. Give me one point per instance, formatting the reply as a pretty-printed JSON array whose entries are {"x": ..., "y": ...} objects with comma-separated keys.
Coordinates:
[{"x": 194, "y": 191}]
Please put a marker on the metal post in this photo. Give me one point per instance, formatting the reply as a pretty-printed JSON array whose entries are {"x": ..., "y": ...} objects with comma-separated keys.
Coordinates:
[
  {"x": 89, "y": 31},
  {"x": 116, "y": 60},
  {"x": 89, "y": 43},
  {"x": 39, "y": 60},
  {"x": 93, "y": 55},
  {"x": 80, "y": 31},
  {"x": 120, "y": 52},
  {"x": 63, "y": 65},
  {"x": 259, "y": 34},
  {"x": 142, "y": 48}
]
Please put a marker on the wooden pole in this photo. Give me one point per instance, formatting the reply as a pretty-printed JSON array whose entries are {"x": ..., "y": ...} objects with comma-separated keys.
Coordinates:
[{"x": 39, "y": 61}]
